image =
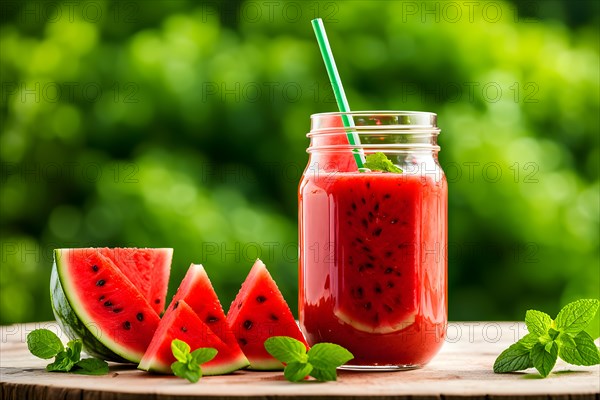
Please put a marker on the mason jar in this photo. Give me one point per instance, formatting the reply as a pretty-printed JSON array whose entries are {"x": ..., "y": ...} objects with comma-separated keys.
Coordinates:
[{"x": 373, "y": 238}]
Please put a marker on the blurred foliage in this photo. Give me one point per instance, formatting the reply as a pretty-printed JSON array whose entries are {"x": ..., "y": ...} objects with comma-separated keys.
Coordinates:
[{"x": 181, "y": 124}]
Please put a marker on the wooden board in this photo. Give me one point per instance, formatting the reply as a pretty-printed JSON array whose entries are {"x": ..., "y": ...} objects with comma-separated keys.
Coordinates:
[{"x": 462, "y": 369}]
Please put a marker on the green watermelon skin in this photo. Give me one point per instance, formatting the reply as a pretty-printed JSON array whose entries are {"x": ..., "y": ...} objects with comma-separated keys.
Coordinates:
[
  {"x": 259, "y": 312},
  {"x": 94, "y": 301},
  {"x": 182, "y": 323}
]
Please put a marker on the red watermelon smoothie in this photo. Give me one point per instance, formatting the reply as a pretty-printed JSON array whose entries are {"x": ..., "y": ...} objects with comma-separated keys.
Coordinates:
[{"x": 372, "y": 253}]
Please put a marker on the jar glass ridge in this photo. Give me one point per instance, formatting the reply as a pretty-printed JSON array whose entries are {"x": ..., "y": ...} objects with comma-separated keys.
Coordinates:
[{"x": 373, "y": 244}]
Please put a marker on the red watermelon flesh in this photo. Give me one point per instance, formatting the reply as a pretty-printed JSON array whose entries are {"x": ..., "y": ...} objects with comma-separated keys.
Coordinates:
[
  {"x": 339, "y": 160},
  {"x": 147, "y": 269},
  {"x": 182, "y": 323},
  {"x": 197, "y": 291},
  {"x": 258, "y": 312},
  {"x": 107, "y": 303}
]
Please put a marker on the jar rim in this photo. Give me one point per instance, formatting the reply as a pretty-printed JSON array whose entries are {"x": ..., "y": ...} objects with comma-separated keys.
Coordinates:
[{"x": 411, "y": 120}]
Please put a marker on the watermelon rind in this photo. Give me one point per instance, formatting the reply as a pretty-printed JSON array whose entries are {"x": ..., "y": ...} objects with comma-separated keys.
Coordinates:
[
  {"x": 74, "y": 327},
  {"x": 379, "y": 329}
]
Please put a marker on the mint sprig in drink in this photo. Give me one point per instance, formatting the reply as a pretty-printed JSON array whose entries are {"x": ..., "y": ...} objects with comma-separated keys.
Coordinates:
[{"x": 372, "y": 214}]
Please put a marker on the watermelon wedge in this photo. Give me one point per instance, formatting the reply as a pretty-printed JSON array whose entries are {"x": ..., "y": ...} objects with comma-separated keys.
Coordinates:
[
  {"x": 94, "y": 301},
  {"x": 258, "y": 312},
  {"x": 182, "y": 323},
  {"x": 147, "y": 269},
  {"x": 197, "y": 291}
]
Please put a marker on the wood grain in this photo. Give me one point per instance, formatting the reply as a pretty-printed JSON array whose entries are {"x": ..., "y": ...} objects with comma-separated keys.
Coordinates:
[{"x": 463, "y": 369}]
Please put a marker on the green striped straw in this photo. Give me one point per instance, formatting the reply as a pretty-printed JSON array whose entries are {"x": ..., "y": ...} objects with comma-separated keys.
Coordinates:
[{"x": 338, "y": 90}]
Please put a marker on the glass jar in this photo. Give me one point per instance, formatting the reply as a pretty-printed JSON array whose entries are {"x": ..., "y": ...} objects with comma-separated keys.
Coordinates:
[{"x": 373, "y": 265}]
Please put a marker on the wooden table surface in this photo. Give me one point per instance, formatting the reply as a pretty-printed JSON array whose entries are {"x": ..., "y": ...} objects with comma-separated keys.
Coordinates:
[{"x": 462, "y": 369}]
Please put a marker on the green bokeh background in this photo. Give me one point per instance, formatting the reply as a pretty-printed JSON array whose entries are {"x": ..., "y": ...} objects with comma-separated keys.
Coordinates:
[{"x": 182, "y": 124}]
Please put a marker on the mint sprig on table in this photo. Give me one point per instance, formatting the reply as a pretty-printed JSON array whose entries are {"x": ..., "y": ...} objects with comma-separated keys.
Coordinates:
[
  {"x": 380, "y": 162},
  {"x": 320, "y": 361},
  {"x": 44, "y": 343},
  {"x": 187, "y": 365},
  {"x": 549, "y": 339}
]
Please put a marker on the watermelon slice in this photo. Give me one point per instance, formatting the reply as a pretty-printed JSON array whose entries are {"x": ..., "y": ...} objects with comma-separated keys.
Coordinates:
[
  {"x": 197, "y": 291},
  {"x": 94, "y": 301},
  {"x": 258, "y": 312},
  {"x": 147, "y": 269},
  {"x": 340, "y": 160},
  {"x": 182, "y": 323}
]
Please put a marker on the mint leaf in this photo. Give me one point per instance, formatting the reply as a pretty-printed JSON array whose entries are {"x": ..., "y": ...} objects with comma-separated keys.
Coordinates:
[
  {"x": 544, "y": 357},
  {"x": 320, "y": 362},
  {"x": 328, "y": 355},
  {"x": 62, "y": 363},
  {"x": 576, "y": 316},
  {"x": 180, "y": 350},
  {"x": 579, "y": 350},
  {"x": 74, "y": 350},
  {"x": 380, "y": 162},
  {"x": 186, "y": 371},
  {"x": 44, "y": 343},
  {"x": 324, "y": 374},
  {"x": 515, "y": 358},
  {"x": 529, "y": 340},
  {"x": 286, "y": 349},
  {"x": 187, "y": 365},
  {"x": 202, "y": 355},
  {"x": 91, "y": 366},
  {"x": 537, "y": 322},
  {"x": 297, "y": 371}
]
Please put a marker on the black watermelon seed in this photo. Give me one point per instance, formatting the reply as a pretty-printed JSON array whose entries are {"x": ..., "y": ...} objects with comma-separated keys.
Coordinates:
[
  {"x": 157, "y": 301},
  {"x": 362, "y": 200},
  {"x": 387, "y": 196},
  {"x": 359, "y": 240},
  {"x": 377, "y": 232},
  {"x": 211, "y": 319},
  {"x": 365, "y": 223},
  {"x": 101, "y": 298},
  {"x": 261, "y": 299},
  {"x": 371, "y": 257},
  {"x": 390, "y": 284},
  {"x": 95, "y": 268},
  {"x": 388, "y": 270},
  {"x": 101, "y": 282},
  {"x": 239, "y": 305},
  {"x": 117, "y": 310},
  {"x": 367, "y": 249},
  {"x": 353, "y": 205},
  {"x": 183, "y": 329},
  {"x": 388, "y": 254},
  {"x": 368, "y": 185},
  {"x": 176, "y": 304},
  {"x": 242, "y": 341},
  {"x": 376, "y": 207},
  {"x": 376, "y": 318},
  {"x": 127, "y": 325},
  {"x": 377, "y": 289},
  {"x": 140, "y": 316},
  {"x": 358, "y": 292},
  {"x": 248, "y": 324},
  {"x": 274, "y": 317},
  {"x": 388, "y": 308},
  {"x": 108, "y": 303},
  {"x": 371, "y": 216}
]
